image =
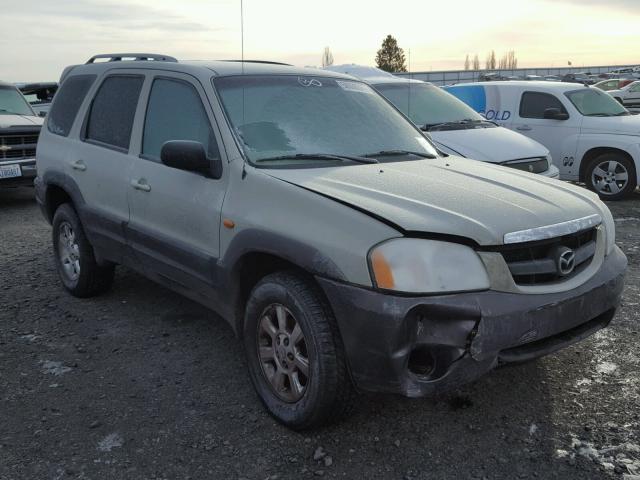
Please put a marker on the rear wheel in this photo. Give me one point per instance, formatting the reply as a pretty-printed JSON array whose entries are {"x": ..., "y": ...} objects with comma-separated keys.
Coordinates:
[
  {"x": 77, "y": 267},
  {"x": 612, "y": 176},
  {"x": 295, "y": 353}
]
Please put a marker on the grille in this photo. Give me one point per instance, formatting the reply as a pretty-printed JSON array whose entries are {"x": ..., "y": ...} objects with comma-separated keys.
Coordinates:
[
  {"x": 532, "y": 165},
  {"x": 17, "y": 146},
  {"x": 536, "y": 263}
]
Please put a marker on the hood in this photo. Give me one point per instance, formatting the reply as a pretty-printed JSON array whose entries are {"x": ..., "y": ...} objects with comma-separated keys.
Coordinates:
[
  {"x": 495, "y": 145},
  {"x": 7, "y": 121},
  {"x": 451, "y": 196},
  {"x": 629, "y": 125}
]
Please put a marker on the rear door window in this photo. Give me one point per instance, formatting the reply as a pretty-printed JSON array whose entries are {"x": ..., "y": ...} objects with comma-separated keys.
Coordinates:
[
  {"x": 533, "y": 104},
  {"x": 175, "y": 112},
  {"x": 67, "y": 103},
  {"x": 113, "y": 110}
]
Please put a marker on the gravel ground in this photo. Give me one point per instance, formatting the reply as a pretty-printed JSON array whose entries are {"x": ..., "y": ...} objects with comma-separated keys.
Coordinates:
[{"x": 143, "y": 384}]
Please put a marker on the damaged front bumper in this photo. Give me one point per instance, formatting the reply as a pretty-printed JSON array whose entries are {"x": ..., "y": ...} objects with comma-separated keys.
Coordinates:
[{"x": 417, "y": 346}]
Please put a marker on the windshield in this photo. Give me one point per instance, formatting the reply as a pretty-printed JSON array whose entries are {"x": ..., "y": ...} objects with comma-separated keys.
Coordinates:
[
  {"x": 289, "y": 115},
  {"x": 596, "y": 103},
  {"x": 12, "y": 102},
  {"x": 427, "y": 104}
]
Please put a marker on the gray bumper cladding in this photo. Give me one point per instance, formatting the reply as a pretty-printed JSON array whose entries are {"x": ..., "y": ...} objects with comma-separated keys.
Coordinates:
[{"x": 417, "y": 346}]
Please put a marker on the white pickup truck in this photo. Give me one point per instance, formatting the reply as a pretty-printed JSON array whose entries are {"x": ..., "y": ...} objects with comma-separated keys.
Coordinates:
[
  {"x": 592, "y": 138},
  {"x": 19, "y": 130}
]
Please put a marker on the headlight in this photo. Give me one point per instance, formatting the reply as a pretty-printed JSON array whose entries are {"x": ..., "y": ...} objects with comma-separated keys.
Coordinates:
[
  {"x": 416, "y": 265},
  {"x": 609, "y": 227}
]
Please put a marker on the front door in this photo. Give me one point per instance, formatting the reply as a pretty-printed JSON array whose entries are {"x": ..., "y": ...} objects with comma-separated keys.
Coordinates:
[
  {"x": 559, "y": 136},
  {"x": 175, "y": 214}
]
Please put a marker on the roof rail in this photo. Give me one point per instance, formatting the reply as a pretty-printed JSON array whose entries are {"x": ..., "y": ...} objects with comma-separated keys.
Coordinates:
[
  {"x": 118, "y": 57},
  {"x": 259, "y": 61}
]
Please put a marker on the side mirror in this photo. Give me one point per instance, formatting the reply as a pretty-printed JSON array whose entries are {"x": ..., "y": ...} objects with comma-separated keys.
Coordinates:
[
  {"x": 190, "y": 156},
  {"x": 42, "y": 114},
  {"x": 555, "y": 114}
]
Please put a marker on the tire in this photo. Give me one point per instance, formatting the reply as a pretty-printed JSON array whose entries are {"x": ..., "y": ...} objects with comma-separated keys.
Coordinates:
[
  {"x": 326, "y": 394},
  {"x": 74, "y": 258},
  {"x": 606, "y": 176}
]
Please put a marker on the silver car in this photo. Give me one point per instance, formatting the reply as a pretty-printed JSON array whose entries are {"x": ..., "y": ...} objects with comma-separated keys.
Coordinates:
[{"x": 346, "y": 252}]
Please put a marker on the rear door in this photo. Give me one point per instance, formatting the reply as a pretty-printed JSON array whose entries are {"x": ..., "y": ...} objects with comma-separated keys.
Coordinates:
[
  {"x": 559, "y": 136},
  {"x": 175, "y": 214},
  {"x": 101, "y": 163},
  {"x": 632, "y": 99}
]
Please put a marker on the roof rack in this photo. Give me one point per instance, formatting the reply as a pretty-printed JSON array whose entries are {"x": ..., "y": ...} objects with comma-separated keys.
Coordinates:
[
  {"x": 259, "y": 61},
  {"x": 138, "y": 57}
]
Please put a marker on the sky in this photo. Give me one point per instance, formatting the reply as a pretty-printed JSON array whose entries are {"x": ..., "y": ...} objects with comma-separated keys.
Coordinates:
[{"x": 38, "y": 38}]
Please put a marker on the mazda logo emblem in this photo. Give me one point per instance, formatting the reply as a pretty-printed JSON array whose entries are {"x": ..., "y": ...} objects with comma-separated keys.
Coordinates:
[{"x": 565, "y": 261}]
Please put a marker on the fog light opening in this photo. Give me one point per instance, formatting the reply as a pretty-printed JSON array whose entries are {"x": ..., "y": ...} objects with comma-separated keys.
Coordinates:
[{"x": 421, "y": 361}]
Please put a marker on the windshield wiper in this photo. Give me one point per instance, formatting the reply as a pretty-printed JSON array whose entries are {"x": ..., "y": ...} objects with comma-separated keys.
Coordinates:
[
  {"x": 392, "y": 153},
  {"x": 466, "y": 121},
  {"x": 319, "y": 156}
]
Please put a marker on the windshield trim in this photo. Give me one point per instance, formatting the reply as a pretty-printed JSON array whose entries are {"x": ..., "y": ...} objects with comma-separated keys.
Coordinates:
[
  {"x": 29, "y": 107},
  {"x": 238, "y": 140}
]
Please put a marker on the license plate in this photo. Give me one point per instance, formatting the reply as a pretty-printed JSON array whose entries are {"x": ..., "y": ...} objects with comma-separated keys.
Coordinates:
[{"x": 10, "y": 171}]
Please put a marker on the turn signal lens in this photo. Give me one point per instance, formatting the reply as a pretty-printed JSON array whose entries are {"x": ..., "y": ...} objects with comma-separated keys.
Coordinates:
[{"x": 382, "y": 271}]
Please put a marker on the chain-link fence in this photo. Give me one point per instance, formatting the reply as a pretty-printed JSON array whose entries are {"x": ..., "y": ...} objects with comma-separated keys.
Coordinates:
[{"x": 450, "y": 77}]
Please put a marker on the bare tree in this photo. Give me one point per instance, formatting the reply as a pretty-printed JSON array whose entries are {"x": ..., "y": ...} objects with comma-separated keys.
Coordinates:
[
  {"x": 490, "y": 64},
  {"x": 508, "y": 61},
  {"x": 327, "y": 57},
  {"x": 467, "y": 63},
  {"x": 476, "y": 62}
]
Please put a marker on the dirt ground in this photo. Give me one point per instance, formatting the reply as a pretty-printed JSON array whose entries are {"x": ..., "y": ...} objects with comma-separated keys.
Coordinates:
[{"x": 141, "y": 383}]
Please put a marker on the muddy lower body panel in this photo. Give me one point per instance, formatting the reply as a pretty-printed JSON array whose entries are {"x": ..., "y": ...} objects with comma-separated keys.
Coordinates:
[{"x": 418, "y": 346}]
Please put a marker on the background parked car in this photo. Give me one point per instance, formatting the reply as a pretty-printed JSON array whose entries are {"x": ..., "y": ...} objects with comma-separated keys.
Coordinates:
[
  {"x": 19, "y": 130},
  {"x": 580, "y": 77},
  {"x": 39, "y": 95},
  {"x": 629, "y": 95},
  {"x": 613, "y": 84},
  {"x": 592, "y": 138},
  {"x": 455, "y": 127}
]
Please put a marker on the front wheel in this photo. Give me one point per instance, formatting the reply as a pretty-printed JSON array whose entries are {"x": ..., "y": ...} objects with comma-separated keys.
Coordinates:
[
  {"x": 295, "y": 353},
  {"x": 612, "y": 176}
]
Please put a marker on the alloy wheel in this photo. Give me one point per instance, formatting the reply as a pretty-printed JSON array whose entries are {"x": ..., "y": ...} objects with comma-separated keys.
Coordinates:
[
  {"x": 68, "y": 252},
  {"x": 282, "y": 352},
  {"x": 609, "y": 177}
]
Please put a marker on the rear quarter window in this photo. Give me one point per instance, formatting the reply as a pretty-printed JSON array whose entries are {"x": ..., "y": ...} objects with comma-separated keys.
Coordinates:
[
  {"x": 113, "y": 110},
  {"x": 67, "y": 103}
]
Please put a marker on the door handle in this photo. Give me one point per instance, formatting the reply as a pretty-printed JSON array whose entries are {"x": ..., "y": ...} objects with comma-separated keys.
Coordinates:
[
  {"x": 141, "y": 184},
  {"x": 524, "y": 128},
  {"x": 78, "y": 165}
]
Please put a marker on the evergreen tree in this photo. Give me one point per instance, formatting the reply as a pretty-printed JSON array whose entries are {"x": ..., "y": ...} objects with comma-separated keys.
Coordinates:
[{"x": 390, "y": 57}]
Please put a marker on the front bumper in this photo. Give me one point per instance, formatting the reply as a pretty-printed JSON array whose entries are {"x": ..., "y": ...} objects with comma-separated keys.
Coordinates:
[
  {"x": 417, "y": 346},
  {"x": 27, "y": 173},
  {"x": 553, "y": 172}
]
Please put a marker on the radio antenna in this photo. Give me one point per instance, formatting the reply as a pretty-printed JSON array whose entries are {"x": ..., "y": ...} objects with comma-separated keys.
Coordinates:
[
  {"x": 242, "y": 36},
  {"x": 244, "y": 158},
  {"x": 409, "y": 94}
]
